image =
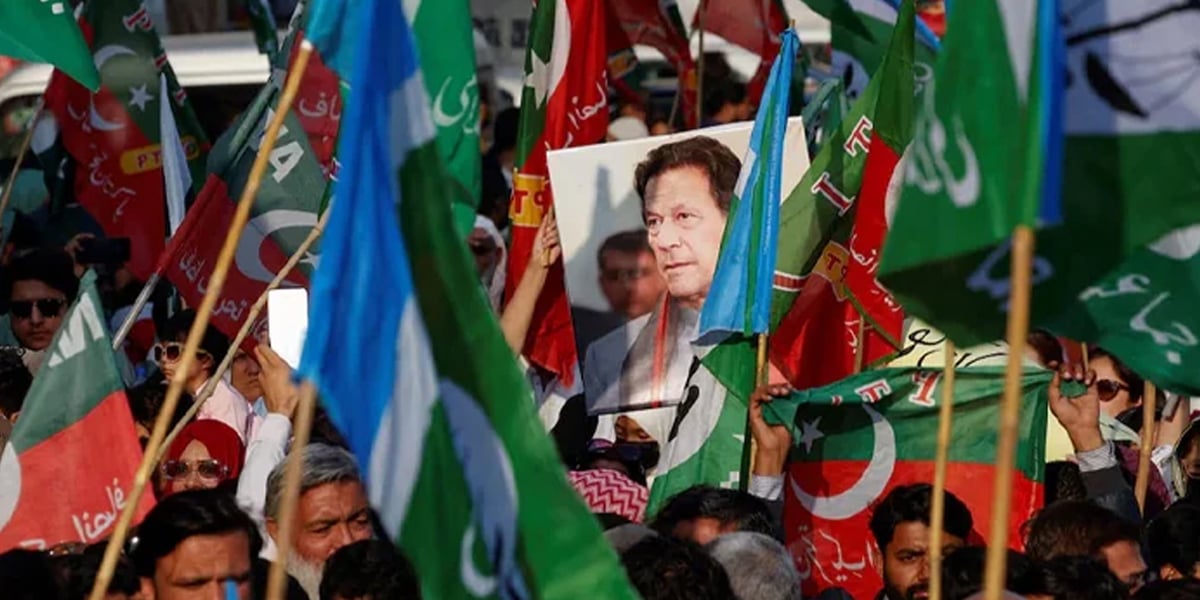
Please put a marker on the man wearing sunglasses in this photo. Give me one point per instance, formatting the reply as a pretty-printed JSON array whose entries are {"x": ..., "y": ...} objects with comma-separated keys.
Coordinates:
[{"x": 41, "y": 286}]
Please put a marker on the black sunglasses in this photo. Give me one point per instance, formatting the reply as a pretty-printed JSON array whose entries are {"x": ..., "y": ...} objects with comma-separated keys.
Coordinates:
[
  {"x": 47, "y": 307},
  {"x": 172, "y": 351},
  {"x": 1108, "y": 389}
]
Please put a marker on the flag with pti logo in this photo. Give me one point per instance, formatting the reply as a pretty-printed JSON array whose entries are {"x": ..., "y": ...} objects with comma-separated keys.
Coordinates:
[
  {"x": 429, "y": 396},
  {"x": 563, "y": 105},
  {"x": 55, "y": 486},
  {"x": 857, "y": 439},
  {"x": 114, "y": 136}
]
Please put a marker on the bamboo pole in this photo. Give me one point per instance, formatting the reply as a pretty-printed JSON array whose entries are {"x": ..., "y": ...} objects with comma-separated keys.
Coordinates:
[
  {"x": 937, "y": 515},
  {"x": 142, "y": 298},
  {"x": 1010, "y": 411},
  {"x": 211, "y": 385},
  {"x": 860, "y": 349},
  {"x": 748, "y": 444},
  {"x": 1142, "y": 483},
  {"x": 21, "y": 151},
  {"x": 277, "y": 577},
  {"x": 203, "y": 313}
]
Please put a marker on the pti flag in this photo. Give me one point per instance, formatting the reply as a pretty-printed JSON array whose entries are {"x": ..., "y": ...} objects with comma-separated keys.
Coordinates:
[
  {"x": 856, "y": 440},
  {"x": 46, "y": 32},
  {"x": 429, "y": 397},
  {"x": 74, "y": 451}
]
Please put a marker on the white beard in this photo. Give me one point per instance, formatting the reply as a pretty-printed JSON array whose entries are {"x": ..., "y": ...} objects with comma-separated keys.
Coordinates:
[{"x": 307, "y": 574}]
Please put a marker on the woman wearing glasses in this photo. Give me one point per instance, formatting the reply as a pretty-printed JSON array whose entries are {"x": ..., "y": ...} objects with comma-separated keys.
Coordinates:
[
  {"x": 206, "y": 454},
  {"x": 225, "y": 404}
]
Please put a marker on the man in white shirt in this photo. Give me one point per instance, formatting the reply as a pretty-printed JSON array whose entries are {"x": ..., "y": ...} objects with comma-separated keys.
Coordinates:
[{"x": 225, "y": 404}]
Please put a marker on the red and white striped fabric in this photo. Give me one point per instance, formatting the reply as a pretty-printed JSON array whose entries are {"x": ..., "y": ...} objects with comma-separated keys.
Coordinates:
[{"x": 609, "y": 491}]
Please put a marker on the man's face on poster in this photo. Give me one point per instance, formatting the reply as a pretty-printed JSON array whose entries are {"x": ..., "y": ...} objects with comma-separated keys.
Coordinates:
[{"x": 685, "y": 226}]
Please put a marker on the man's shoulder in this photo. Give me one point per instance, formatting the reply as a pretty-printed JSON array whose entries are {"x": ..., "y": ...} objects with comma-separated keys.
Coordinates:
[{"x": 618, "y": 340}]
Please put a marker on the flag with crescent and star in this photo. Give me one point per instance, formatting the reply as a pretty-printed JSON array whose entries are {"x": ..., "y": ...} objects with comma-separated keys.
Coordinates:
[
  {"x": 286, "y": 208},
  {"x": 113, "y": 137},
  {"x": 429, "y": 396},
  {"x": 1083, "y": 124},
  {"x": 70, "y": 462},
  {"x": 857, "y": 439},
  {"x": 564, "y": 104}
]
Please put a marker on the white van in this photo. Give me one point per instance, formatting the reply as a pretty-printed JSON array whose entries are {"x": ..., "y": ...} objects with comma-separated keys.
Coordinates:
[{"x": 222, "y": 72}]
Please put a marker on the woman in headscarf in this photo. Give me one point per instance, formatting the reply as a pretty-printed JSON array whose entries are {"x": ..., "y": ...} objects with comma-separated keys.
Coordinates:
[
  {"x": 491, "y": 256},
  {"x": 206, "y": 454}
]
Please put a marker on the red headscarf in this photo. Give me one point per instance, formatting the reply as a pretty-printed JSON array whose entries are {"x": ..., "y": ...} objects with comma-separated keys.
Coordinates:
[{"x": 220, "y": 439}]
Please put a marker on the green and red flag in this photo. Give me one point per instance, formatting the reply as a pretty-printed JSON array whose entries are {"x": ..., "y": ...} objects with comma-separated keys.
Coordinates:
[
  {"x": 46, "y": 32},
  {"x": 114, "y": 136},
  {"x": 318, "y": 103},
  {"x": 832, "y": 227},
  {"x": 660, "y": 26},
  {"x": 856, "y": 440},
  {"x": 74, "y": 451},
  {"x": 564, "y": 104},
  {"x": 262, "y": 22},
  {"x": 1056, "y": 130}
]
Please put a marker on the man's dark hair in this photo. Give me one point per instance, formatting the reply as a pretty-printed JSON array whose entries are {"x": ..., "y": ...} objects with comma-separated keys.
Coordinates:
[
  {"x": 1080, "y": 578},
  {"x": 77, "y": 573},
  {"x": 1063, "y": 482},
  {"x": 720, "y": 93},
  {"x": 176, "y": 329},
  {"x": 146, "y": 400},
  {"x": 911, "y": 503},
  {"x": 27, "y": 575},
  {"x": 15, "y": 381},
  {"x": 663, "y": 568},
  {"x": 370, "y": 569},
  {"x": 506, "y": 129},
  {"x": 1179, "y": 589},
  {"x": 1076, "y": 528},
  {"x": 715, "y": 159},
  {"x": 1133, "y": 380},
  {"x": 186, "y": 514},
  {"x": 730, "y": 507},
  {"x": 1173, "y": 538},
  {"x": 633, "y": 241},
  {"x": 24, "y": 233},
  {"x": 962, "y": 573},
  {"x": 51, "y": 266}
]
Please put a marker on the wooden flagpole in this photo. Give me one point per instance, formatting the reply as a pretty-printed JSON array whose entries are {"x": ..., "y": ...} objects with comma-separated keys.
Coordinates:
[
  {"x": 937, "y": 514},
  {"x": 1142, "y": 483},
  {"x": 860, "y": 349},
  {"x": 211, "y": 385},
  {"x": 1010, "y": 411},
  {"x": 203, "y": 313},
  {"x": 277, "y": 577},
  {"x": 749, "y": 446},
  {"x": 21, "y": 151}
]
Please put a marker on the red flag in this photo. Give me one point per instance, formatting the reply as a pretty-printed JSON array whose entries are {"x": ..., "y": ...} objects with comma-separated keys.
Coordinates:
[
  {"x": 752, "y": 24},
  {"x": 563, "y": 104},
  {"x": 659, "y": 26}
]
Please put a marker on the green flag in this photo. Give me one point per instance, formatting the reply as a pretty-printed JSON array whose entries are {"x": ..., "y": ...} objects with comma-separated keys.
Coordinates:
[
  {"x": 857, "y": 439},
  {"x": 985, "y": 159},
  {"x": 72, "y": 455},
  {"x": 446, "y": 43},
  {"x": 42, "y": 31},
  {"x": 859, "y": 34},
  {"x": 262, "y": 21}
]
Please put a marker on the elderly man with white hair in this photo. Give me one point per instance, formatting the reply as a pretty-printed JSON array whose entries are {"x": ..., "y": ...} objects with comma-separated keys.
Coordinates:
[{"x": 759, "y": 567}]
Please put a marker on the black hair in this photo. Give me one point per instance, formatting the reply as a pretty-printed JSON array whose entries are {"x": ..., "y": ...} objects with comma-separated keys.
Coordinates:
[
  {"x": 370, "y": 569},
  {"x": 213, "y": 342},
  {"x": 730, "y": 507},
  {"x": 51, "y": 266},
  {"x": 911, "y": 503},
  {"x": 1079, "y": 578},
  {"x": 146, "y": 400},
  {"x": 962, "y": 573},
  {"x": 183, "y": 515},
  {"x": 663, "y": 568},
  {"x": 1076, "y": 528},
  {"x": 611, "y": 520},
  {"x": 716, "y": 160},
  {"x": 1063, "y": 482},
  {"x": 15, "y": 381},
  {"x": 27, "y": 575},
  {"x": 633, "y": 241},
  {"x": 1179, "y": 589},
  {"x": 1128, "y": 377},
  {"x": 505, "y": 129},
  {"x": 1173, "y": 538},
  {"x": 77, "y": 573},
  {"x": 24, "y": 234}
]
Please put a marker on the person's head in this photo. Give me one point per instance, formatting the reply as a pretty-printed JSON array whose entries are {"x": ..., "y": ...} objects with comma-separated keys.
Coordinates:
[
  {"x": 629, "y": 277},
  {"x": 504, "y": 132},
  {"x": 332, "y": 512},
  {"x": 77, "y": 574},
  {"x": 962, "y": 573},
  {"x": 759, "y": 568},
  {"x": 27, "y": 575},
  {"x": 243, "y": 375},
  {"x": 192, "y": 543},
  {"x": 1119, "y": 388},
  {"x": 41, "y": 285},
  {"x": 724, "y": 102},
  {"x": 169, "y": 352},
  {"x": 1188, "y": 451},
  {"x": 1177, "y": 589},
  {"x": 1081, "y": 528},
  {"x": 369, "y": 570},
  {"x": 662, "y": 568},
  {"x": 1078, "y": 578},
  {"x": 900, "y": 525},
  {"x": 205, "y": 454},
  {"x": 22, "y": 235},
  {"x": 1173, "y": 539},
  {"x": 1063, "y": 482},
  {"x": 660, "y": 125},
  {"x": 487, "y": 246},
  {"x": 15, "y": 381},
  {"x": 686, "y": 188},
  {"x": 145, "y": 401},
  {"x": 701, "y": 513}
]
